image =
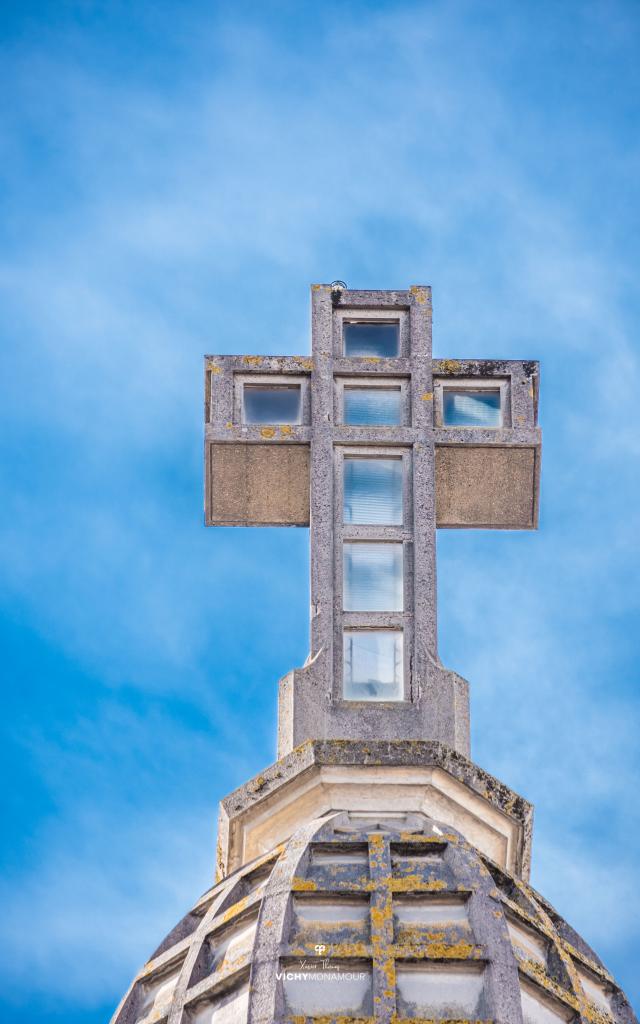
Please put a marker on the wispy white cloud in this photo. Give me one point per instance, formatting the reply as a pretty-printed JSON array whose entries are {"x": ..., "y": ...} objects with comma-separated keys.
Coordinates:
[
  {"x": 391, "y": 148},
  {"x": 90, "y": 907}
]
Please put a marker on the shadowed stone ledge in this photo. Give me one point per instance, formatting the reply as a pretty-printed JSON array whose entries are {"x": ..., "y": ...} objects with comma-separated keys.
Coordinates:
[{"x": 375, "y": 777}]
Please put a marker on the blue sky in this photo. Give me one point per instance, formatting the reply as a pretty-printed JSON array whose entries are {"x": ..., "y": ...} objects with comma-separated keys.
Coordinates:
[{"x": 174, "y": 175}]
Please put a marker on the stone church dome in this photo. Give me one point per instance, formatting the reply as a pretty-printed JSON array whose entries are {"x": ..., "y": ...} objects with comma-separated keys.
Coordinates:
[{"x": 365, "y": 918}]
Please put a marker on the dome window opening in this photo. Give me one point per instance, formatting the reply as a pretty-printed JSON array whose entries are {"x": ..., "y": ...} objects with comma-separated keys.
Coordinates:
[
  {"x": 231, "y": 1006},
  {"x": 425, "y": 911},
  {"x": 540, "y": 1008},
  {"x": 594, "y": 990},
  {"x": 450, "y": 992},
  {"x": 335, "y": 919},
  {"x": 340, "y": 987},
  {"x": 226, "y": 948},
  {"x": 527, "y": 944}
]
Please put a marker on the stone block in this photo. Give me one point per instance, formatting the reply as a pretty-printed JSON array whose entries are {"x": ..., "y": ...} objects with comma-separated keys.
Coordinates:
[
  {"x": 257, "y": 485},
  {"x": 488, "y": 487}
]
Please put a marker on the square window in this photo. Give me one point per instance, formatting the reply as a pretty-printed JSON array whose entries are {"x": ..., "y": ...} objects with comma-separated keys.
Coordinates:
[
  {"x": 373, "y": 338},
  {"x": 373, "y": 577},
  {"x": 271, "y": 403},
  {"x": 468, "y": 408},
  {"x": 373, "y": 491},
  {"x": 379, "y": 406},
  {"x": 372, "y": 666}
]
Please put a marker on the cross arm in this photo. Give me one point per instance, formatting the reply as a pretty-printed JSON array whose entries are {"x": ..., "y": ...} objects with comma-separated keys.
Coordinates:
[
  {"x": 257, "y": 473},
  {"x": 487, "y": 476}
]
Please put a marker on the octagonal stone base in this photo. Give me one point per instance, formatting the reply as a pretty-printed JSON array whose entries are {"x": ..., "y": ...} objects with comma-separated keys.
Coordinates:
[{"x": 376, "y": 778}]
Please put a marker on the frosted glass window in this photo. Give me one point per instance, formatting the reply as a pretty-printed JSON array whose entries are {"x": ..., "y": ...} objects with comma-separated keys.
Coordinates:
[
  {"x": 373, "y": 577},
  {"x": 158, "y": 993},
  {"x": 373, "y": 491},
  {"x": 540, "y": 1008},
  {"x": 530, "y": 945},
  {"x": 429, "y": 910},
  {"x": 376, "y": 406},
  {"x": 373, "y": 665},
  {"x": 340, "y": 988},
  {"x": 271, "y": 403},
  {"x": 468, "y": 408},
  {"x": 434, "y": 991},
  {"x": 376, "y": 339},
  {"x": 230, "y": 1008},
  {"x": 594, "y": 990},
  {"x": 338, "y": 911},
  {"x": 232, "y": 944},
  {"x": 330, "y": 856}
]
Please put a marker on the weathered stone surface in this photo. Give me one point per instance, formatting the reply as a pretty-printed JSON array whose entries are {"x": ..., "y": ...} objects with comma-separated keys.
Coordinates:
[
  {"x": 476, "y": 486},
  {"x": 258, "y": 484},
  {"x": 437, "y": 708},
  {"x": 488, "y": 487},
  {"x": 429, "y": 907},
  {"x": 356, "y": 774}
]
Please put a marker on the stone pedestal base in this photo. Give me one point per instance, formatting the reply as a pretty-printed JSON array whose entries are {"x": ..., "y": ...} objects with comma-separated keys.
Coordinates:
[{"x": 374, "y": 778}]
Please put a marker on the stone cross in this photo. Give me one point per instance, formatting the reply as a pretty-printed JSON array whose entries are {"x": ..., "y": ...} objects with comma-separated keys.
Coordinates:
[{"x": 373, "y": 444}]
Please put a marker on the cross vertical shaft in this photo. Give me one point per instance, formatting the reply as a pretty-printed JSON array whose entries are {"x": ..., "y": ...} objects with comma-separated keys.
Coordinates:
[{"x": 373, "y": 444}]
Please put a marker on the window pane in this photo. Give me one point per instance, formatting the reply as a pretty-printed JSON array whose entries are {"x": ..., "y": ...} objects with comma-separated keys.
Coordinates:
[
  {"x": 373, "y": 665},
  {"x": 381, "y": 406},
  {"x": 373, "y": 491},
  {"x": 372, "y": 339},
  {"x": 271, "y": 403},
  {"x": 466, "y": 408},
  {"x": 373, "y": 577}
]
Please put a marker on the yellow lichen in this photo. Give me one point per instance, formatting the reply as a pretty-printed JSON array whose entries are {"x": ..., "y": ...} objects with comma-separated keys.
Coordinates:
[
  {"x": 411, "y": 837},
  {"x": 215, "y": 369},
  {"x": 415, "y": 883},
  {"x": 268, "y": 432},
  {"x": 427, "y": 397},
  {"x": 234, "y": 910},
  {"x": 454, "y": 951},
  {"x": 449, "y": 365},
  {"x": 536, "y": 971},
  {"x": 303, "y": 885},
  {"x": 420, "y": 293},
  {"x": 286, "y": 430},
  {"x": 252, "y": 360}
]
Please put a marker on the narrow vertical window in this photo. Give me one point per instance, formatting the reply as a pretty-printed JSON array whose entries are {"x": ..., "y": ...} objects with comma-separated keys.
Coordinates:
[
  {"x": 373, "y": 406},
  {"x": 373, "y": 491},
  {"x": 373, "y": 577},
  {"x": 372, "y": 662}
]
